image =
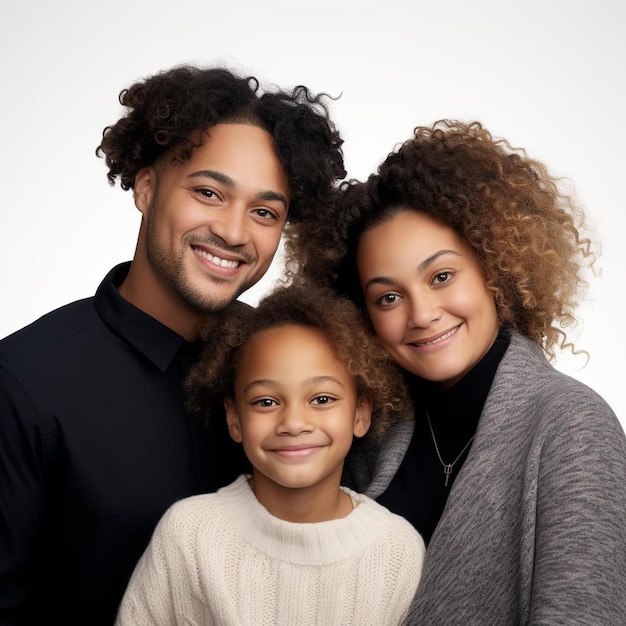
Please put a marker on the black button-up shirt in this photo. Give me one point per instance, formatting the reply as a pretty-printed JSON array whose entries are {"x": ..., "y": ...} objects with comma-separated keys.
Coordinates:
[{"x": 94, "y": 446}]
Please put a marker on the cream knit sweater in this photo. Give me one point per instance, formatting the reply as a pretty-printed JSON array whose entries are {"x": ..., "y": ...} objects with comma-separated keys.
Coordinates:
[{"x": 223, "y": 559}]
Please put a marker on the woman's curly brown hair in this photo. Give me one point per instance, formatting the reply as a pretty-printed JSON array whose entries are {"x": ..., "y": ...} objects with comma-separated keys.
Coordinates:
[
  {"x": 375, "y": 374},
  {"x": 166, "y": 111},
  {"x": 527, "y": 234}
]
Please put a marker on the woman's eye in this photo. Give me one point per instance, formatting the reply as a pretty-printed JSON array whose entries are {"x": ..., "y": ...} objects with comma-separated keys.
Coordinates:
[
  {"x": 387, "y": 299},
  {"x": 441, "y": 277}
]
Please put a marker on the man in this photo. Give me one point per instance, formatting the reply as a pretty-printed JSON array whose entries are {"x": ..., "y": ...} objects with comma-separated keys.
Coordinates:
[{"x": 95, "y": 442}]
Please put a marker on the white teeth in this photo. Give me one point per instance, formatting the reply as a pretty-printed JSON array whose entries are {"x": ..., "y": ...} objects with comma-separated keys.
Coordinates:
[
  {"x": 217, "y": 260},
  {"x": 427, "y": 343}
]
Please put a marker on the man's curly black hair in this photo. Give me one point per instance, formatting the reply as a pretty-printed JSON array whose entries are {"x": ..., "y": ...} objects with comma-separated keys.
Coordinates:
[{"x": 166, "y": 110}]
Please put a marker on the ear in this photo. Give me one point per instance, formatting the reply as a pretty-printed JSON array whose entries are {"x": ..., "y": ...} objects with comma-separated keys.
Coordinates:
[
  {"x": 232, "y": 420},
  {"x": 363, "y": 418},
  {"x": 144, "y": 189}
]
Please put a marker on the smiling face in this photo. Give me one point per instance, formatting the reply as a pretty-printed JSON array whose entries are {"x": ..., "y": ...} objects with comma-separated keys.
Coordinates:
[
  {"x": 211, "y": 224},
  {"x": 295, "y": 410},
  {"x": 427, "y": 296}
]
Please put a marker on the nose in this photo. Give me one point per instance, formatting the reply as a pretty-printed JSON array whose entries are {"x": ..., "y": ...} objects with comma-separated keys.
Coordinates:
[
  {"x": 231, "y": 225},
  {"x": 294, "y": 422},
  {"x": 424, "y": 310}
]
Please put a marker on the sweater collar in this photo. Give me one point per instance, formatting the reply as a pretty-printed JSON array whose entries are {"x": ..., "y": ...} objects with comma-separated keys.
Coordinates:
[{"x": 318, "y": 543}]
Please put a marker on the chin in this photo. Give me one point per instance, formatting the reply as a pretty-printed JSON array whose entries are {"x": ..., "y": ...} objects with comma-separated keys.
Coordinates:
[{"x": 206, "y": 302}]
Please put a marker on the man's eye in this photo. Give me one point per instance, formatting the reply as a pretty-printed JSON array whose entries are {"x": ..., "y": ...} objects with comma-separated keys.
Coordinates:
[
  {"x": 208, "y": 193},
  {"x": 265, "y": 213}
]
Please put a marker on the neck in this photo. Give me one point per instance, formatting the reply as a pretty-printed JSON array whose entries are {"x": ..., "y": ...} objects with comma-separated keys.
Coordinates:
[
  {"x": 318, "y": 503},
  {"x": 145, "y": 291}
]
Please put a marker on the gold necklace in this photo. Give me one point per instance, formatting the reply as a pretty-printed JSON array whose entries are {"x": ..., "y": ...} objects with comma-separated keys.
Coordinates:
[{"x": 447, "y": 467}]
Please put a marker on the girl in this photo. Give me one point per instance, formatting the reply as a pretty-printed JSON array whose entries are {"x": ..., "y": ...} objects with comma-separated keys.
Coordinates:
[
  {"x": 285, "y": 545},
  {"x": 468, "y": 261}
]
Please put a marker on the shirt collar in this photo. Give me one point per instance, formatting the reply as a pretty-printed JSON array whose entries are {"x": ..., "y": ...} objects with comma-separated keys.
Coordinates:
[{"x": 154, "y": 340}]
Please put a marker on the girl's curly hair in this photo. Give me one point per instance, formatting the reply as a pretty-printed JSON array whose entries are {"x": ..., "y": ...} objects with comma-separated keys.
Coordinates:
[
  {"x": 375, "y": 374},
  {"x": 527, "y": 234},
  {"x": 166, "y": 111}
]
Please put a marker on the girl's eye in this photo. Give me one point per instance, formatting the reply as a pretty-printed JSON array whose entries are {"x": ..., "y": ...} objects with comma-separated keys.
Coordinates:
[
  {"x": 322, "y": 400},
  {"x": 266, "y": 403}
]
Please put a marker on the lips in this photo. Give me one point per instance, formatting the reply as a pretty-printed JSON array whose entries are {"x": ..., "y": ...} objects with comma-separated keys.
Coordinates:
[
  {"x": 297, "y": 452},
  {"x": 434, "y": 340},
  {"x": 216, "y": 260}
]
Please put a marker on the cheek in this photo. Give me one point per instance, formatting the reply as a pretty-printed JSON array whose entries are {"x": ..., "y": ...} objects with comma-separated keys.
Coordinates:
[
  {"x": 467, "y": 302},
  {"x": 266, "y": 243},
  {"x": 340, "y": 428},
  {"x": 481, "y": 309},
  {"x": 492, "y": 322},
  {"x": 484, "y": 306},
  {"x": 388, "y": 325},
  {"x": 189, "y": 218},
  {"x": 252, "y": 431}
]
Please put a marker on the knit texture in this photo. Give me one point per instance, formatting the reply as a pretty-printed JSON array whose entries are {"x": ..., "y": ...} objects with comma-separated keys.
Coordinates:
[
  {"x": 223, "y": 559},
  {"x": 534, "y": 530}
]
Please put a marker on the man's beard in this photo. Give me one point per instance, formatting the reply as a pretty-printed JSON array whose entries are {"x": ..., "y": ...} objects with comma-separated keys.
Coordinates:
[{"x": 171, "y": 270}]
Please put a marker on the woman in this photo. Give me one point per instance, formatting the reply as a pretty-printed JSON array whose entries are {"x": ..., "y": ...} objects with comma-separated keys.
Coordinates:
[{"x": 468, "y": 261}]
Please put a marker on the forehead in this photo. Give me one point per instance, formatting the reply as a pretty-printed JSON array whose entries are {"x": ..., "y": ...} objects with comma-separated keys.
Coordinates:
[
  {"x": 406, "y": 233},
  {"x": 288, "y": 341},
  {"x": 233, "y": 140},
  {"x": 406, "y": 241},
  {"x": 289, "y": 353},
  {"x": 413, "y": 225},
  {"x": 241, "y": 151}
]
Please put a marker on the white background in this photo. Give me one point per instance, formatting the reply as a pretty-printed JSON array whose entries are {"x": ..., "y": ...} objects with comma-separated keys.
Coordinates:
[{"x": 547, "y": 75}]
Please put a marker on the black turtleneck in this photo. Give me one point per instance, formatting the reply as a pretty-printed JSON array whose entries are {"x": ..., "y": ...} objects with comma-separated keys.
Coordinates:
[{"x": 418, "y": 491}]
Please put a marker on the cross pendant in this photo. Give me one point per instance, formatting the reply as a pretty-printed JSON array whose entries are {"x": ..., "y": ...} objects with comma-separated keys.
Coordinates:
[{"x": 447, "y": 470}]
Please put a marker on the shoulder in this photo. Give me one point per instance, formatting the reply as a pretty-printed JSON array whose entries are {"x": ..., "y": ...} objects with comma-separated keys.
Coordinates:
[
  {"x": 206, "y": 508},
  {"x": 393, "y": 553},
  {"x": 43, "y": 359},
  {"x": 391, "y": 528},
  {"x": 554, "y": 413},
  {"x": 50, "y": 332},
  {"x": 526, "y": 377},
  {"x": 187, "y": 516},
  {"x": 195, "y": 526}
]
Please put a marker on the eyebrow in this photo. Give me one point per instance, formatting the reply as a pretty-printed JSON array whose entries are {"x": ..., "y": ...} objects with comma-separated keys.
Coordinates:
[
  {"x": 383, "y": 280},
  {"x": 313, "y": 379},
  {"x": 433, "y": 257},
  {"x": 224, "y": 179}
]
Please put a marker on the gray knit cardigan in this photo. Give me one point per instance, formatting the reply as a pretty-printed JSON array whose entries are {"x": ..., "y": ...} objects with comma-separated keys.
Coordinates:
[{"x": 534, "y": 530}]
